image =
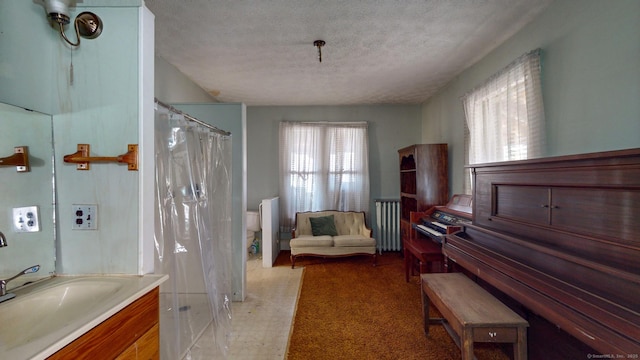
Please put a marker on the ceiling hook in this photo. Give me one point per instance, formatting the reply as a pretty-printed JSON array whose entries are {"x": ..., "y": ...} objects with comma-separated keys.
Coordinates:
[{"x": 319, "y": 44}]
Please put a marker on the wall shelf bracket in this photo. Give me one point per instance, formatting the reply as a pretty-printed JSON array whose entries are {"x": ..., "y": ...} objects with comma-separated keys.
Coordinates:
[
  {"x": 19, "y": 159},
  {"x": 82, "y": 159}
]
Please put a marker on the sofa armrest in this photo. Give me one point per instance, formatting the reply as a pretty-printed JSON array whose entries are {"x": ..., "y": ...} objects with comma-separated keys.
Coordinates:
[{"x": 365, "y": 231}]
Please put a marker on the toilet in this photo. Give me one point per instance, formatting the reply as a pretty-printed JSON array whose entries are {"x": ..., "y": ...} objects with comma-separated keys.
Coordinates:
[{"x": 253, "y": 226}]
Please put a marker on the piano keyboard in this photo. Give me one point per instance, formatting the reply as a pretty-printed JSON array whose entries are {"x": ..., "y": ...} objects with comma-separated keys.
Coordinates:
[
  {"x": 440, "y": 225},
  {"x": 429, "y": 230}
]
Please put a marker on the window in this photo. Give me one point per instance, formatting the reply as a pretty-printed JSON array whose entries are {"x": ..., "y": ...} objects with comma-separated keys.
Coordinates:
[
  {"x": 323, "y": 166},
  {"x": 505, "y": 115}
]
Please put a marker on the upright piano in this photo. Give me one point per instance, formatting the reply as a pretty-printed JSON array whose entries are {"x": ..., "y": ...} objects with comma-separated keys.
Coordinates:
[
  {"x": 559, "y": 239},
  {"x": 428, "y": 229}
]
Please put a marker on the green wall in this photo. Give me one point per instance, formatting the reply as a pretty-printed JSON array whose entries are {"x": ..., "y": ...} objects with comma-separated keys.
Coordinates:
[
  {"x": 391, "y": 127},
  {"x": 26, "y": 56},
  {"x": 101, "y": 107},
  {"x": 591, "y": 88},
  {"x": 590, "y": 80},
  {"x": 172, "y": 87}
]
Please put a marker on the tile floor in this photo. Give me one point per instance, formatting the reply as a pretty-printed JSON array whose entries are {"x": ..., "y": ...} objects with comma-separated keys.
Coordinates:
[{"x": 261, "y": 324}]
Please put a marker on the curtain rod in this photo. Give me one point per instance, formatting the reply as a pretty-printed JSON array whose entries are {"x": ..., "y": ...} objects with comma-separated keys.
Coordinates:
[
  {"x": 328, "y": 122},
  {"x": 512, "y": 64},
  {"x": 191, "y": 118}
]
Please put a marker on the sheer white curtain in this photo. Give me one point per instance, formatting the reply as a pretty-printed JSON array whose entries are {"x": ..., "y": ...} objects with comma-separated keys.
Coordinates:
[
  {"x": 323, "y": 166},
  {"x": 505, "y": 115}
]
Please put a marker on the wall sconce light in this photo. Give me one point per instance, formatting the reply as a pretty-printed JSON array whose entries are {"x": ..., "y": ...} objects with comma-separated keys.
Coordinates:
[
  {"x": 319, "y": 44},
  {"x": 87, "y": 24}
]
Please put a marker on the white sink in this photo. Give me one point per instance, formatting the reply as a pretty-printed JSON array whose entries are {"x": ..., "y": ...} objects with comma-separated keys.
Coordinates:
[
  {"x": 39, "y": 313},
  {"x": 45, "y": 316}
]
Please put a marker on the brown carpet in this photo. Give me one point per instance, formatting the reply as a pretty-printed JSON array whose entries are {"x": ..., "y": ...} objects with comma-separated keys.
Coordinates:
[{"x": 348, "y": 309}]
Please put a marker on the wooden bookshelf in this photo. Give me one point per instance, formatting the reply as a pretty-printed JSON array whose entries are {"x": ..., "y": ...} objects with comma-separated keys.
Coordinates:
[{"x": 424, "y": 180}]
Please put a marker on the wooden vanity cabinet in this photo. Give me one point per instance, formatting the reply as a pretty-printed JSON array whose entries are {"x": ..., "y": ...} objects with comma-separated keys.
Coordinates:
[
  {"x": 146, "y": 347},
  {"x": 132, "y": 333}
]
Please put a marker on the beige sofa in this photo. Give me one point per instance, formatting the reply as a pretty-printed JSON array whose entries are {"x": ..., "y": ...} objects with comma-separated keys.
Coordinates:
[{"x": 314, "y": 235}]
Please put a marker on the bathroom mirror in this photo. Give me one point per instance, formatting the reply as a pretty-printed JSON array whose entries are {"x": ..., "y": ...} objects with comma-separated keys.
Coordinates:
[{"x": 21, "y": 127}]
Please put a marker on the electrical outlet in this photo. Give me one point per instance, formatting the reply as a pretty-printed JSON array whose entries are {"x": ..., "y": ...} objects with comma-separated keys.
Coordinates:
[
  {"x": 85, "y": 217},
  {"x": 25, "y": 219}
]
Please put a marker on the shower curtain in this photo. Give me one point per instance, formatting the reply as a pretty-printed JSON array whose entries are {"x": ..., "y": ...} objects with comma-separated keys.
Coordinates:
[{"x": 193, "y": 236}]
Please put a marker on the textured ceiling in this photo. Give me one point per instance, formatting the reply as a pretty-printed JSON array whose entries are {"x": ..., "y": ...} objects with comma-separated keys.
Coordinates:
[{"x": 261, "y": 52}]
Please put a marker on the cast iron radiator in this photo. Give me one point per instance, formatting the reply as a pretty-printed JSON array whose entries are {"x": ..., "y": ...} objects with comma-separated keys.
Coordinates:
[{"x": 387, "y": 231}]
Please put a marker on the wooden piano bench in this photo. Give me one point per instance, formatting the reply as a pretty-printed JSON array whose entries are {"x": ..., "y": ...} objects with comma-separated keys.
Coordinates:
[
  {"x": 471, "y": 314},
  {"x": 426, "y": 252}
]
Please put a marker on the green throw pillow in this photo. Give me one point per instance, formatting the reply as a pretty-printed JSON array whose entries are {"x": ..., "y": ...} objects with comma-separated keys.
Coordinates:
[{"x": 323, "y": 225}]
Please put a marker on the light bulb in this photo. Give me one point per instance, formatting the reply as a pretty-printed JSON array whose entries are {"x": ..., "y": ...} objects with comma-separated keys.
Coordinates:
[{"x": 57, "y": 11}]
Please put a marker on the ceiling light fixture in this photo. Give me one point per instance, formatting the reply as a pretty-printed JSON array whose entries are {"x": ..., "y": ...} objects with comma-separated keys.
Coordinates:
[{"x": 319, "y": 44}]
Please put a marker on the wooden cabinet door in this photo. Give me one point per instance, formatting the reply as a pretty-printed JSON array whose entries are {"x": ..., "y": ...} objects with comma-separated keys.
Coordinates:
[
  {"x": 523, "y": 203},
  {"x": 609, "y": 212}
]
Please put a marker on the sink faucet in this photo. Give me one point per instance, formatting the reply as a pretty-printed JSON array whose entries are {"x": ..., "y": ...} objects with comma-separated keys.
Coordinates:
[
  {"x": 3, "y": 283},
  {"x": 3, "y": 240}
]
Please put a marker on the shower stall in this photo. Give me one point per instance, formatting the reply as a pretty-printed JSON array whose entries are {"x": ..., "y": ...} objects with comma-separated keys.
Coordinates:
[{"x": 192, "y": 235}]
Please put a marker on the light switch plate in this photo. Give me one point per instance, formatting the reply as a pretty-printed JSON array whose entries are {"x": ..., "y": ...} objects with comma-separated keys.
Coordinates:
[
  {"x": 25, "y": 219},
  {"x": 85, "y": 217}
]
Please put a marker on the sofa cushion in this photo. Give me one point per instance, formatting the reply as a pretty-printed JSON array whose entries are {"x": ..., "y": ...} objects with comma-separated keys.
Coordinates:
[
  {"x": 323, "y": 225},
  {"x": 312, "y": 241},
  {"x": 346, "y": 222},
  {"x": 353, "y": 240},
  {"x": 351, "y": 223}
]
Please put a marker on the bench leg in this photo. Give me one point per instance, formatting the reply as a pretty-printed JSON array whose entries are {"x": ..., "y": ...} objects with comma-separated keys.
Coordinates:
[
  {"x": 466, "y": 344},
  {"x": 520, "y": 347},
  {"x": 425, "y": 311},
  {"x": 425, "y": 267},
  {"x": 441, "y": 264},
  {"x": 408, "y": 259}
]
